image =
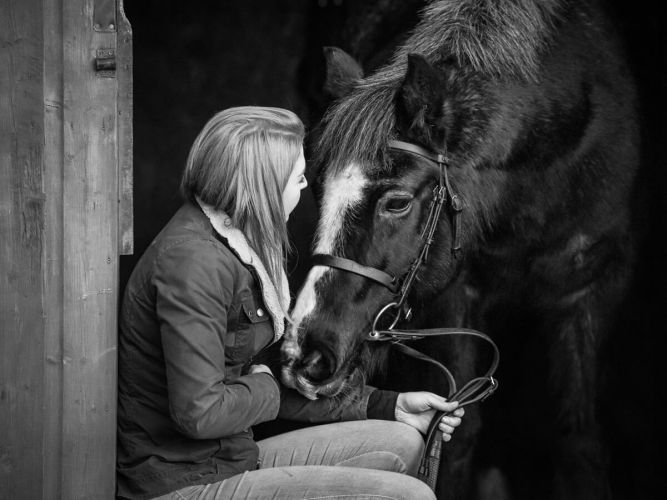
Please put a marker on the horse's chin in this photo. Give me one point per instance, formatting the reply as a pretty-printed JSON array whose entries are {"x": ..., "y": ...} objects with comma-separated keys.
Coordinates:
[{"x": 312, "y": 391}]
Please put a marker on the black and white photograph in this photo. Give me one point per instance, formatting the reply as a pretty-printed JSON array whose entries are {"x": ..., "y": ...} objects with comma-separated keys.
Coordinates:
[{"x": 333, "y": 249}]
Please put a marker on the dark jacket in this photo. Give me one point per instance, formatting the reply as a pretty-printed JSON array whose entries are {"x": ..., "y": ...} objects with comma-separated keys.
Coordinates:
[{"x": 193, "y": 315}]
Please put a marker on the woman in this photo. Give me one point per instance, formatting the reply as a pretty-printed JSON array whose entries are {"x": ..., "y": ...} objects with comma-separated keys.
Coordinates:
[{"x": 210, "y": 293}]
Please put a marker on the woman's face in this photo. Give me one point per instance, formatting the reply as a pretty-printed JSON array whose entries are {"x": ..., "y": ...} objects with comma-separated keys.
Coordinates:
[{"x": 297, "y": 181}]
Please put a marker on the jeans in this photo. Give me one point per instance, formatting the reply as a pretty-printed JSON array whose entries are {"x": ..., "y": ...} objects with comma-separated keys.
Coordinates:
[{"x": 367, "y": 459}]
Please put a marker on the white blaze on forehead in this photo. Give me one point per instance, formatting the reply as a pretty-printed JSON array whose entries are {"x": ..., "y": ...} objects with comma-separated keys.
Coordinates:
[{"x": 341, "y": 193}]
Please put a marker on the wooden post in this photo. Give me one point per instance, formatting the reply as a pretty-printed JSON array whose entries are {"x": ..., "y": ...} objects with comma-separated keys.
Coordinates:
[
  {"x": 59, "y": 244},
  {"x": 53, "y": 254},
  {"x": 90, "y": 258},
  {"x": 22, "y": 223}
]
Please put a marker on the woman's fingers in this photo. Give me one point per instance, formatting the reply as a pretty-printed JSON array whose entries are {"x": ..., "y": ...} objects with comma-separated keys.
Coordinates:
[
  {"x": 447, "y": 429},
  {"x": 448, "y": 423},
  {"x": 260, "y": 369},
  {"x": 451, "y": 421},
  {"x": 439, "y": 403}
]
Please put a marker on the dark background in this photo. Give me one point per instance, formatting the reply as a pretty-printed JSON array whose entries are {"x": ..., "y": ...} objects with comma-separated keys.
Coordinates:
[{"x": 194, "y": 58}]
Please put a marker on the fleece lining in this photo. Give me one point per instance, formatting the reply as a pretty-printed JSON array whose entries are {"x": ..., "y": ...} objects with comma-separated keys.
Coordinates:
[{"x": 222, "y": 224}]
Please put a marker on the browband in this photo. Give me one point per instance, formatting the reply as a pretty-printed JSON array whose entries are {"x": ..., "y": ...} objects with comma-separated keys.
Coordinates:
[{"x": 418, "y": 150}]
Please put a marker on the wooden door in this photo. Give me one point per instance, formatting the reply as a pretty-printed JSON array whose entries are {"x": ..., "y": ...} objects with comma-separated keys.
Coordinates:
[{"x": 65, "y": 216}]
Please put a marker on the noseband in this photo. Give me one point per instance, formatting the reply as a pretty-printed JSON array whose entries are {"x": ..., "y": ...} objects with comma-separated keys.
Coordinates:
[{"x": 477, "y": 389}]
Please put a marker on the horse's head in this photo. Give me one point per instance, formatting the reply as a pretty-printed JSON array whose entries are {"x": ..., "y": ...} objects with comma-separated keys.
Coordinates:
[{"x": 374, "y": 206}]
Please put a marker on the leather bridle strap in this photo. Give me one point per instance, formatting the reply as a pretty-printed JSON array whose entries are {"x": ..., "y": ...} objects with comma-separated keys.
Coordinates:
[
  {"x": 454, "y": 201},
  {"x": 379, "y": 276},
  {"x": 384, "y": 279},
  {"x": 440, "y": 159},
  {"x": 476, "y": 390}
]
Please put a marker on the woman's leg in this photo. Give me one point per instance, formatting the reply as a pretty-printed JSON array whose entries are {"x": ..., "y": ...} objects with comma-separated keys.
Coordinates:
[
  {"x": 308, "y": 483},
  {"x": 357, "y": 460},
  {"x": 371, "y": 444}
]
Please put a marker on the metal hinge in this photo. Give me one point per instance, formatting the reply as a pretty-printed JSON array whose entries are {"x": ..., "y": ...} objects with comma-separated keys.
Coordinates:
[
  {"x": 105, "y": 63},
  {"x": 104, "y": 16}
]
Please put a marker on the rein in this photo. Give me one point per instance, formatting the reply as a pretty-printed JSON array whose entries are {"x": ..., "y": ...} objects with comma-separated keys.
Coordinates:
[{"x": 475, "y": 390}]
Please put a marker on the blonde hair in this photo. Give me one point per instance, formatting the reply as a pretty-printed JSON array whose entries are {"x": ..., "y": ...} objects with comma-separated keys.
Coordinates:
[{"x": 240, "y": 163}]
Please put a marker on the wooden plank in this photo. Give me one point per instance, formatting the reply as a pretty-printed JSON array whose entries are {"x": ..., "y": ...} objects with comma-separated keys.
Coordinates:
[
  {"x": 21, "y": 243},
  {"x": 90, "y": 260},
  {"x": 125, "y": 98},
  {"x": 58, "y": 254},
  {"x": 53, "y": 248}
]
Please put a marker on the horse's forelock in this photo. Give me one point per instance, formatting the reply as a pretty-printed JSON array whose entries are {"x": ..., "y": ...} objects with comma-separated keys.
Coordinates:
[{"x": 356, "y": 128}]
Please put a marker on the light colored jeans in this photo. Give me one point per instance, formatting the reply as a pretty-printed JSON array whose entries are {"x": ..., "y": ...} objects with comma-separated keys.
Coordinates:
[{"x": 366, "y": 459}]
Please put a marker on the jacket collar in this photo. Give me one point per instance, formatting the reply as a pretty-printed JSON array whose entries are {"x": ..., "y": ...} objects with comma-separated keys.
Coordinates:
[{"x": 222, "y": 224}]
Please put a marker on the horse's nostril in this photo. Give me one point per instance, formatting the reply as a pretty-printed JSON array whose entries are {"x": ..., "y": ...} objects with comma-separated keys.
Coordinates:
[{"x": 316, "y": 366}]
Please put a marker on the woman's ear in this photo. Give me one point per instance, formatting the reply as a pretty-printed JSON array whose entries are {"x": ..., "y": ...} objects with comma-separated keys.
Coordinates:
[
  {"x": 420, "y": 101},
  {"x": 343, "y": 72}
]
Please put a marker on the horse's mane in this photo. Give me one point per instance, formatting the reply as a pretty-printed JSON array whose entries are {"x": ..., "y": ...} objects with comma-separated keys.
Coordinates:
[{"x": 498, "y": 39}]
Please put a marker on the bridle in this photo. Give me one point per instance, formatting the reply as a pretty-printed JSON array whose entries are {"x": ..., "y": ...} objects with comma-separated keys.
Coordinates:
[
  {"x": 442, "y": 193},
  {"x": 475, "y": 390}
]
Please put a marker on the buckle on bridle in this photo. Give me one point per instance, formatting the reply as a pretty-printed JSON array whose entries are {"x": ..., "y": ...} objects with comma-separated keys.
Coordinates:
[{"x": 491, "y": 389}]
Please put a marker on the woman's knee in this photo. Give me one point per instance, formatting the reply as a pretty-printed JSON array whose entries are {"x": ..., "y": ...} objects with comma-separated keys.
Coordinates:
[
  {"x": 405, "y": 442},
  {"x": 409, "y": 443}
]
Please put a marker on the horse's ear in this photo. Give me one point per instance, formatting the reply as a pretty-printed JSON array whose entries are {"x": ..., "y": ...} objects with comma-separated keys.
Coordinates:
[
  {"x": 343, "y": 72},
  {"x": 420, "y": 101}
]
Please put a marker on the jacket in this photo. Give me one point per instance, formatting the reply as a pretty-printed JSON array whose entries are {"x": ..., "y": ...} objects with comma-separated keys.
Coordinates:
[{"x": 197, "y": 308}]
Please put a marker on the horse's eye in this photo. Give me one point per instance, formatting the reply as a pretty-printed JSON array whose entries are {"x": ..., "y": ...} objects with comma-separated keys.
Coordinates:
[{"x": 398, "y": 205}]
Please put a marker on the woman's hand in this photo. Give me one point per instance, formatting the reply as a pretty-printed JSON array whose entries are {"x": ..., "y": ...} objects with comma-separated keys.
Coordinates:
[
  {"x": 260, "y": 369},
  {"x": 417, "y": 409}
]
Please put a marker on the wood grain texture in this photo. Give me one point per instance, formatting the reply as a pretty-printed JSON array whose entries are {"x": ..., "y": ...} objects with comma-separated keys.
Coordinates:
[
  {"x": 90, "y": 259},
  {"x": 58, "y": 253},
  {"x": 125, "y": 133},
  {"x": 53, "y": 248},
  {"x": 21, "y": 244}
]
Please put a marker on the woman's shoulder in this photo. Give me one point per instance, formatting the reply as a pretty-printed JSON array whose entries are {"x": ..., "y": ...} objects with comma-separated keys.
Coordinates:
[
  {"x": 189, "y": 230},
  {"x": 188, "y": 244},
  {"x": 193, "y": 251},
  {"x": 188, "y": 223}
]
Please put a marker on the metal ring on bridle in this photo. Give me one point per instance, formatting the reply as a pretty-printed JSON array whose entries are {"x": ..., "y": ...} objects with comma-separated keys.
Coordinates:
[{"x": 374, "y": 334}]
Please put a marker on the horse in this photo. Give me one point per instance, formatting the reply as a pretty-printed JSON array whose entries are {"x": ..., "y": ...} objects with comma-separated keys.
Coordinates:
[{"x": 532, "y": 107}]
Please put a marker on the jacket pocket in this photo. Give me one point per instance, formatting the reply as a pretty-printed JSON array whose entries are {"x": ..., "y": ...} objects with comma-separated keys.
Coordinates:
[
  {"x": 253, "y": 313},
  {"x": 242, "y": 338}
]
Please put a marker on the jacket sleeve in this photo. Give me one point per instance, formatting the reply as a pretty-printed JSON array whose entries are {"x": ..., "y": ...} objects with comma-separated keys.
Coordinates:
[
  {"x": 194, "y": 286},
  {"x": 367, "y": 402}
]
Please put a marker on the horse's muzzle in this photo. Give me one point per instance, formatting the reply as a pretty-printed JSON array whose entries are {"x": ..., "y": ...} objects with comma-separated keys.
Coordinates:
[{"x": 312, "y": 373}]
